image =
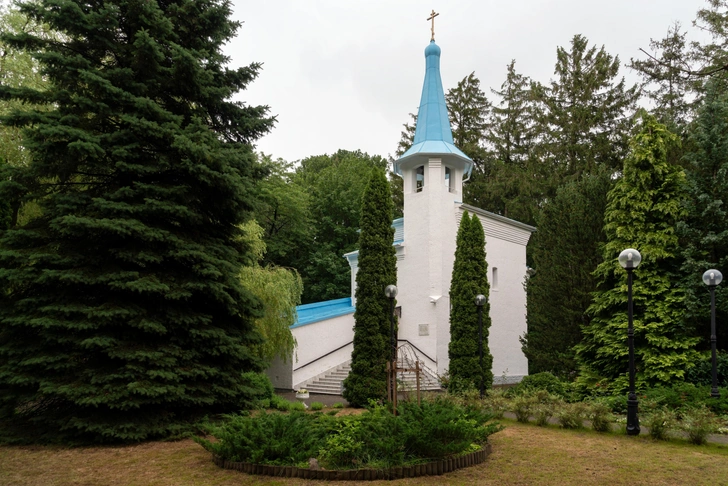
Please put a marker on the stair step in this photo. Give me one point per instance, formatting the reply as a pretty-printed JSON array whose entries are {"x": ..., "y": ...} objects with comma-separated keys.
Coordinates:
[{"x": 332, "y": 382}]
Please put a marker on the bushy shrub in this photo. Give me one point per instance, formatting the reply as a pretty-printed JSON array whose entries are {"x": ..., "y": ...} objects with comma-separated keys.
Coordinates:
[
  {"x": 296, "y": 406},
  {"x": 317, "y": 406},
  {"x": 541, "y": 381},
  {"x": 279, "y": 403},
  {"x": 542, "y": 413},
  {"x": 677, "y": 396},
  {"x": 521, "y": 406},
  {"x": 681, "y": 396},
  {"x": 260, "y": 385},
  {"x": 616, "y": 403},
  {"x": 697, "y": 423},
  {"x": 600, "y": 416},
  {"x": 495, "y": 402},
  {"x": 659, "y": 421},
  {"x": 535, "y": 402},
  {"x": 269, "y": 438},
  {"x": 571, "y": 415},
  {"x": 702, "y": 372},
  {"x": 337, "y": 405},
  {"x": 437, "y": 428}
]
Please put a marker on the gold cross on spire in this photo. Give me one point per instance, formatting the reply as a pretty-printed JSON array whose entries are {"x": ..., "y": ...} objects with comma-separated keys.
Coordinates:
[{"x": 432, "y": 17}]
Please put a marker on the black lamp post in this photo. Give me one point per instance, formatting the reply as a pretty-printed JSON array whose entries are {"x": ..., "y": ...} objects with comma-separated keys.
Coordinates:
[
  {"x": 391, "y": 292},
  {"x": 712, "y": 278},
  {"x": 630, "y": 259},
  {"x": 480, "y": 302}
]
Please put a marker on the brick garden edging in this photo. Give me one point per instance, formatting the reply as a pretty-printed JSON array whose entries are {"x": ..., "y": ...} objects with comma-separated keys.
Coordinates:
[{"x": 434, "y": 468}]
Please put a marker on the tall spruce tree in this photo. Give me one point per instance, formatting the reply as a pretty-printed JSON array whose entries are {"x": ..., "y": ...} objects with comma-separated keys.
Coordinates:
[
  {"x": 124, "y": 315},
  {"x": 666, "y": 84},
  {"x": 377, "y": 269},
  {"x": 584, "y": 115},
  {"x": 643, "y": 208},
  {"x": 704, "y": 230},
  {"x": 469, "y": 278},
  {"x": 565, "y": 252},
  {"x": 515, "y": 185}
]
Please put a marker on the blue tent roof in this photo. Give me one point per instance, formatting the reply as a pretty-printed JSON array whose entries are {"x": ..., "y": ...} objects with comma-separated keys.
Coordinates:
[{"x": 433, "y": 134}]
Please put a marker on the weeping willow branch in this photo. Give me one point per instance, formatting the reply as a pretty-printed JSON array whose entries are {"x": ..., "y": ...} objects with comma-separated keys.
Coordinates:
[{"x": 279, "y": 289}]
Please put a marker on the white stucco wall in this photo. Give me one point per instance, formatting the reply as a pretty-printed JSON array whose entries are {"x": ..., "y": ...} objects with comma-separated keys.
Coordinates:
[
  {"x": 318, "y": 339},
  {"x": 505, "y": 244}
]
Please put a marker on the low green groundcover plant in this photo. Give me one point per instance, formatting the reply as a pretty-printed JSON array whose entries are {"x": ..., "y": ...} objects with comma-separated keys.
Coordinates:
[{"x": 437, "y": 428}]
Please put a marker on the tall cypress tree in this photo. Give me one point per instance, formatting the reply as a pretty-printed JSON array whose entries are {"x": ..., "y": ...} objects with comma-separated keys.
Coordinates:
[
  {"x": 377, "y": 269},
  {"x": 642, "y": 210},
  {"x": 124, "y": 314},
  {"x": 469, "y": 278}
]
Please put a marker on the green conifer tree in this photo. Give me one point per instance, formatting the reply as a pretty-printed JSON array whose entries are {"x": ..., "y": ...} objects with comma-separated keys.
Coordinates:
[
  {"x": 377, "y": 269},
  {"x": 704, "y": 231},
  {"x": 643, "y": 208},
  {"x": 125, "y": 316},
  {"x": 469, "y": 278},
  {"x": 565, "y": 251}
]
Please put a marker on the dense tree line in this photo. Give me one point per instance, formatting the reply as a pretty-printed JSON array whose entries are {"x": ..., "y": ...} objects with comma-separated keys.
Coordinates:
[{"x": 133, "y": 274}]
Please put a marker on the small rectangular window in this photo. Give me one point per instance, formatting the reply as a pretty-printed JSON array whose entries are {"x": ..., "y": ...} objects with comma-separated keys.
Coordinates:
[
  {"x": 448, "y": 179},
  {"x": 494, "y": 279},
  {"x": 419, "y": 178}
]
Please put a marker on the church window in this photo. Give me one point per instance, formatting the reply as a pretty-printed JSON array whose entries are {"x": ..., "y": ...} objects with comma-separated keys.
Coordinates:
[
  {"x": 494, "y": 280},
  {"x": 419, "y": 178},
  {"x": 448, "y": 179}
]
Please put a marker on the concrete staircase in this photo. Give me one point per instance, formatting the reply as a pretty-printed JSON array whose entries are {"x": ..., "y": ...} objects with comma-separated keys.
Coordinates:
[{"x": 331, "y": 382}]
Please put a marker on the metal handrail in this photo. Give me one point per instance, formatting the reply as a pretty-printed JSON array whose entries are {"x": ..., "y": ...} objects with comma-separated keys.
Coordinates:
[
  {"x": 323, "y": 356},
  {"x": 418, "y": 349},
  {"x": 351, "y": 342}
]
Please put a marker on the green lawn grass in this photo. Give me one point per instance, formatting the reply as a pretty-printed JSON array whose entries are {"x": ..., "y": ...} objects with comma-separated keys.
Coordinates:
[{"x": 523, "y": 454}]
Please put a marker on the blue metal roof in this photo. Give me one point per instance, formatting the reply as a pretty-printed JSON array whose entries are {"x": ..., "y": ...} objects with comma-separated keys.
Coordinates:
[
  {"x": 433, "y": 135},
  {"x": 319, "y": 311},
  {"x": 433, "y": 123}
]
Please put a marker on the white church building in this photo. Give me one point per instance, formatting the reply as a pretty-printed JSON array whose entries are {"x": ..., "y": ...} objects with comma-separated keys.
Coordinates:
[{"x": 433, "y": 171}]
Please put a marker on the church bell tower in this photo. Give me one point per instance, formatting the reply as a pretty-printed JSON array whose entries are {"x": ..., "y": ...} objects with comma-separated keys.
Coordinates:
[{"x": 433, "y": 171}]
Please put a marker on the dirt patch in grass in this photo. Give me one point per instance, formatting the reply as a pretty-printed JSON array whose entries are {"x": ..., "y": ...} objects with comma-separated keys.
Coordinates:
[{"x": 522, "y": 455}]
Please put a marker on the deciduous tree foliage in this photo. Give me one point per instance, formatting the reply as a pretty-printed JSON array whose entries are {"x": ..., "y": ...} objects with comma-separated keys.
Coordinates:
[
  {"x": 469, "y": 278},
  {"x": 566, "y": 250},
  {"x": 377, "y": 269},
  {"x": 336, "y": 186},
  {"x": 643, "y": 208},
  {"x": 283, "y": 209},
  {"x": 124, "y": 315},
  {"x": 279, "y": 290}
]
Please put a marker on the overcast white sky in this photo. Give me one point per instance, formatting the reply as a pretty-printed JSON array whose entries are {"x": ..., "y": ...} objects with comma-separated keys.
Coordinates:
[{"x": 346, "y": 73}]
